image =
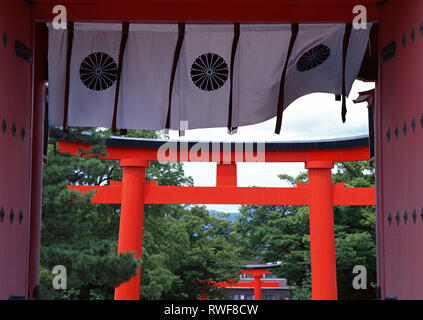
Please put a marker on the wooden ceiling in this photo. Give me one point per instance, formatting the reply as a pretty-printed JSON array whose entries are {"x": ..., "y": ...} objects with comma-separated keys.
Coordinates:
[{"x": 253, "y": 11}]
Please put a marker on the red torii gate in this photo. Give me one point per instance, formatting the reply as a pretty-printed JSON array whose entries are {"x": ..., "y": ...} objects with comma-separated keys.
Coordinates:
[
  {"x": 320, "y": 194},
  {"x": 257, "y": 271}
]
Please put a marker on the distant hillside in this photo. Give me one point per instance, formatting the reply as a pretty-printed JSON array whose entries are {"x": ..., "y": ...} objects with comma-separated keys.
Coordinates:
[{"x": 232, "y": 215}]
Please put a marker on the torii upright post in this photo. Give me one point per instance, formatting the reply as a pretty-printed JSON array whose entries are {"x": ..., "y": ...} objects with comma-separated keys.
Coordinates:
[
  {"x": 131, "y": 221},
  {"x": 257, "y": 274},
  {"x": 322, "y": 234}
]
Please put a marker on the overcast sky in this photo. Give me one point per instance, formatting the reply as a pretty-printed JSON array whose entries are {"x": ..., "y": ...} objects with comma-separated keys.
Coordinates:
[{"x": 312, "y": 117}]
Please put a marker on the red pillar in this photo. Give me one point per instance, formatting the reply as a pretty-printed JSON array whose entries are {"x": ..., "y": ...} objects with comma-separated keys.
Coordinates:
[
  {"x": 322, "y": 234},
  {"x": 131, "y": 222},
  {"x": 257, "y": 287},
  {"x": 40, "y": 43},
  {"x": 226, "y": 175},
  {"x": 257, "y": 274}
]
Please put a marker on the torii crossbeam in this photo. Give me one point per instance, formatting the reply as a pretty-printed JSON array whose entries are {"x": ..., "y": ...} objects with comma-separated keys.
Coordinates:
[{"x": 320, "y": 194}]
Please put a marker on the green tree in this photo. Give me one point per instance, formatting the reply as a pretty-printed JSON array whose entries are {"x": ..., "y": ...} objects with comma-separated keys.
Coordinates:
[
  {"x": 303, "y": 290},
  {"x": 355, "y": 233},
  {"x": 188, "y": 248},
  {"x": 182, "y": 245},
  {"x": 77, "y": 234}
]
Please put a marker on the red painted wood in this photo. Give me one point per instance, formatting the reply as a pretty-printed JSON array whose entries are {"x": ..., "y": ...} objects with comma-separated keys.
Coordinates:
[
  {"x": 102, "y": 194},
  {"x": 226, "y": 195},
  {"x": 257, "y": 288},
  {"x": 131, "y": 223},
  {"x": 342, "y": 196},
  {"x": 379, "y": 136},
  {"x": 230, "y": 195},
  {"x": 15, "y": 159},
  {"x": 39, "y": 102},
  {"x": 209, "y": 11},
  {"x": 248, "y": 284},
  {"x": 257, "y": 283},
  {"x": 117, "y": 153},
  {"x": 203, "y": 195},
  {"x": 226, "y": 175},
  {"x": 399, "y": 160},
  {"x": 322, "y": 235}
]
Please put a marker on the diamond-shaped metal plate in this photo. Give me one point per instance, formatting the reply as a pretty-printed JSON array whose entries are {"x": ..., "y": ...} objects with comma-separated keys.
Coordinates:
[
  {"x": 405, "y": 128},
  {"x": 1, "y": 214},
  {"x": 388, "y": 135},
  {"x": 413, "y": 34},
  {"x": 13, "y": 129},
  {"x": 404, "y": 41},
  {"x": 413, "y": 124},
  {"x": 389, "y": 219},
  {"x": 414, "y": 215},
  {"x": 397, "y": 217},
  {"x": 4, "y": 38},
  {"x": 23, "y": 133},
  {"x": 396, "y": 132},
  {"x": 405, "y": 216},
  {"x": 11, "y": 215},
  {"x": 20, "y": 216}
]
